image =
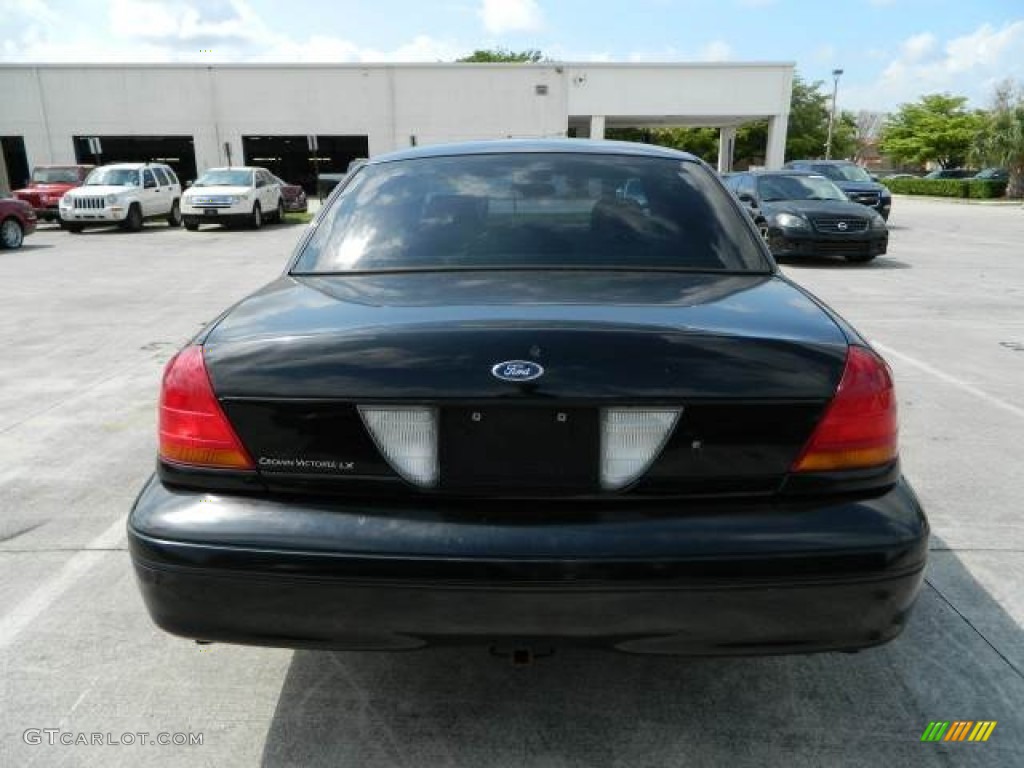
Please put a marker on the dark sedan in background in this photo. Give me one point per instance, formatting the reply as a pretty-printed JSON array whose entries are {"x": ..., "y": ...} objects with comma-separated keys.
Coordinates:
[
  {"x": 856, "y": 183},
  {"x": 293, "y": 196},
  {"x": 807, "y": 215},
  {"x": 495, "y": 400},
  {"x": 949, "y": 173},
  {"x": 17, "y": 219}
]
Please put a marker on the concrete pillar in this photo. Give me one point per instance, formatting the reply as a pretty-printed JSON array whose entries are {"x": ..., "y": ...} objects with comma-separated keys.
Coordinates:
[
  {"x": 597, "y": 126},
  {"x": 726, "y": 144},
  {"x": 775, "y": 152}
]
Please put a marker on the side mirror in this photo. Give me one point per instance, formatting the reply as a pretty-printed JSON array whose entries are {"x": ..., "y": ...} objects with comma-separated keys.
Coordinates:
[
  {"x": 873, "y": 177},
  {"x": 747, "y": 198},
  {"x": 189, "y": 183}
]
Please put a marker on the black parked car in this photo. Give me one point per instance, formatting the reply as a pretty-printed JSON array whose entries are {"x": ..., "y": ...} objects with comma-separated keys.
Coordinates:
[
  {"x": 857, "y": 183},
  {"x": 992, "y": 174},
  {"x": 807, "y": 215},
  {"x": 949, "y": 173},
  {"x": 491, "y": 400}
]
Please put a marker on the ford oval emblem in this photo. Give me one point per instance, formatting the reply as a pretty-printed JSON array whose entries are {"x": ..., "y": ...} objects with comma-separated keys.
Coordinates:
[{"x": 517, "y": 370}]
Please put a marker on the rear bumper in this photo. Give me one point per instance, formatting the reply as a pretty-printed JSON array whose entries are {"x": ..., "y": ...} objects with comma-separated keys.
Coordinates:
[{"x": 798, "y": 577}]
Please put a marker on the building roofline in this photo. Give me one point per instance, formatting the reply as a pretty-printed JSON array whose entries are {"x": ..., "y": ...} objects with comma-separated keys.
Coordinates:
[{"x": 727, "y": 65}]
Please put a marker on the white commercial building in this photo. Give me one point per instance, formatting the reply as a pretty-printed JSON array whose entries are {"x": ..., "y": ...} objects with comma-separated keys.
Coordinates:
[{"x": 295, "y": 119}]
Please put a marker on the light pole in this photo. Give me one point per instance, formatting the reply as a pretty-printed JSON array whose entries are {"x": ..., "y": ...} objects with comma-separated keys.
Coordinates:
[{"x": 832, "y": 115}]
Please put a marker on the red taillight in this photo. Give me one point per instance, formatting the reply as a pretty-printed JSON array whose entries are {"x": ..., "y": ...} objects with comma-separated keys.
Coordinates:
[
  {"x": 193, "y": 428},
  {"x": 859, "y": 428}
]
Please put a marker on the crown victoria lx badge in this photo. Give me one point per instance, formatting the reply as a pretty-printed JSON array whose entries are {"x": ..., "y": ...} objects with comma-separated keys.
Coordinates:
[{"x": 517, "y": 370}]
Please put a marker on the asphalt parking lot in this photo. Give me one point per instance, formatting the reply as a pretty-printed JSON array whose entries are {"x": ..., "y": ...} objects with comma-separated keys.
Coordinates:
[{"x": 87, "y": 322}]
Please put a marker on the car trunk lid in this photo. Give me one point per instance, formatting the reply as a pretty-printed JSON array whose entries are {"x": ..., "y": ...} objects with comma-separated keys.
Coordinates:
[{"x": 748, "y": 361}]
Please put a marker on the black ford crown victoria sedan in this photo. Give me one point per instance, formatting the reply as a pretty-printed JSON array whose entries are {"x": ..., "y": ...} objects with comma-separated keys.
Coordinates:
[{"x": 496, "y": 400}]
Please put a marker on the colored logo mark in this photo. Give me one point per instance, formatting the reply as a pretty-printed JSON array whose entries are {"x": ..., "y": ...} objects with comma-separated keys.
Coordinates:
[{"x": 958, "y": 730}]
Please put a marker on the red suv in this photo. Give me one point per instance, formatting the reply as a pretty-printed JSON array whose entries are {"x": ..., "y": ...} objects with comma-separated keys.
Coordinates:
[{"x": 48, "y": 185}]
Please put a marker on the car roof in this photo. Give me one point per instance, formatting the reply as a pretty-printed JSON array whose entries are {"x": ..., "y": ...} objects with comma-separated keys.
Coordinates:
[
  {"x": 824, "y": 162},
  {"x": 516, "y": 146},
  {"x": 237, "y": 168},
  {"x": 134, "y": 166},
  {"x": 785, "y": 172}
]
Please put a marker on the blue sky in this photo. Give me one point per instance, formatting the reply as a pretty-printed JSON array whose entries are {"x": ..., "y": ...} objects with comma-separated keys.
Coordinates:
[{"x": 891, "y": 50}]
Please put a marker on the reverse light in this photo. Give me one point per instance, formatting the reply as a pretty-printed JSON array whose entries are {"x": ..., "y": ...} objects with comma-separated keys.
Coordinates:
[
  {"x": 859, "y": 429},
  {"x": 407, "y": 436},
  {"x": 631, "y": 439},
  {"x": 193, "y": 427}
]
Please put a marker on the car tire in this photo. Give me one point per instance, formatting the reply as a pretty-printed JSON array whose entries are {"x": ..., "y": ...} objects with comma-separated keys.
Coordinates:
[
  {"x": 133, "y": 221},
  {"x": 74, "y": 229},
  {"x": 174, "y": 217},
  {"x": 190, "y": 224},
  {"x": 11, "y": 234},
  {"x": 279, "y": 216},
  {"x": 256, "y": 218}
]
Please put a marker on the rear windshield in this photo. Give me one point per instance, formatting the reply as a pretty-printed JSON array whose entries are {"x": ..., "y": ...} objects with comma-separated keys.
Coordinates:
[
  {"x": 532, "y": 211},
  {"x": 55, "y": 175},
  {"x": 225, "y": 178}
]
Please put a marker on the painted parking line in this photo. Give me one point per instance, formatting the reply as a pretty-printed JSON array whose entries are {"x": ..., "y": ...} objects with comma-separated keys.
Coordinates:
[
  {"x": 28, "y": 610},
  {"x": 951, "y": 380}
]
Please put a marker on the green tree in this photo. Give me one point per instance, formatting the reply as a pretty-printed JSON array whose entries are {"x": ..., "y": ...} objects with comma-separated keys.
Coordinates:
[
  {"x": 1000, "y": 141},
  {"x": 702, "y": 142},
  {"x": 937, "y": 128},
  {"x": 503, "y": 55},
  {"x": 809, "y": 109}
]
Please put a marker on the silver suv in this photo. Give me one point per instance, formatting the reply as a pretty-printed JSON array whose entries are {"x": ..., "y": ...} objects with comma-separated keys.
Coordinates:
[{"x": 123, "y": 193}]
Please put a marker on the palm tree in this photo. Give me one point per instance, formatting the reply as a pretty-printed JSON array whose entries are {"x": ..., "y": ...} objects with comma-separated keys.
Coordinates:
[{"x": 1001, "y": 141}]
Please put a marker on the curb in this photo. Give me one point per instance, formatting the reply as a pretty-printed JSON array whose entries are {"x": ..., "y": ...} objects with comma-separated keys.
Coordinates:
[{"x": 962, "y": 200}]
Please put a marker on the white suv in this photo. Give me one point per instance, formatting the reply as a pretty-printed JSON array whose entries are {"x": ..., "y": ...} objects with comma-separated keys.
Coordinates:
[
  {"x": 233, "y": 195},
  {"x": 125, "y": 194}
]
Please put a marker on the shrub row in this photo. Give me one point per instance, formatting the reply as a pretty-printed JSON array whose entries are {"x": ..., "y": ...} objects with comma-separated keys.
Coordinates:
[{"x": 975, "y": 188}]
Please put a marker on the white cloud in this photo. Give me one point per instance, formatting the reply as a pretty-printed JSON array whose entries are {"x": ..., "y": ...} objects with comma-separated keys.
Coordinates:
[
  {"x": 187, "y": 30},
  {"x": 716, "y": 50},
  {"x": 668, "y": 53},
  {"x": 986, "y": 47},
  {"x": 825, "y": 54},
  {"x": 501, "y": 16},
  {"x": 918, "y": 47},
  {"x": 969, "y": 65}
]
